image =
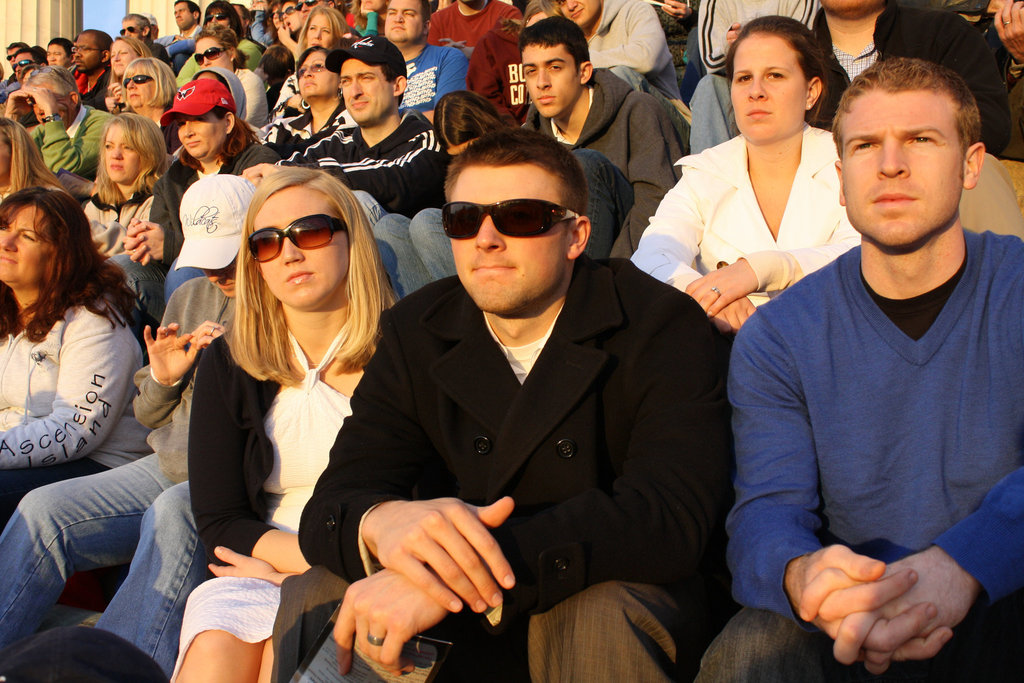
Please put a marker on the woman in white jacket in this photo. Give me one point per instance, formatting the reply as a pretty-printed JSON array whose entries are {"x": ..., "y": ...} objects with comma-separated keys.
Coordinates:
[
  {"x": 753, "y": 215},
  {"x": 67, "y": 356}
]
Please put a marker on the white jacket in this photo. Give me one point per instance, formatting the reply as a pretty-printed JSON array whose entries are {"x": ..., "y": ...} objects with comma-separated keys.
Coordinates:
[
  {"x": 711, "y": 218},
  {"x": 70, "y": 395}
]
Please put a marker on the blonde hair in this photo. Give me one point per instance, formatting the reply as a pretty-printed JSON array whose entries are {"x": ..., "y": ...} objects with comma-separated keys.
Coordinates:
[
  {"x": 137, "y": 46},
  {"x": 27, "y": 166},
  {"x": 226, "y": 39},
  {"x": 163, "y": 78},
  {"x": 259, "y": 336},
  {"x": 335, "y": 19},
  {"x": 144, "y": 136}
]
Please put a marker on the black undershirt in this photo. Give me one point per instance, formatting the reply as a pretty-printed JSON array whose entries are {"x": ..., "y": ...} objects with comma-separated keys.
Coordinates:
[{"x": 914, "y": 316}]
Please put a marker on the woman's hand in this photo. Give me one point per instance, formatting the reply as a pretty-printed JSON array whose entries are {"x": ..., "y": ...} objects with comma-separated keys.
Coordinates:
[
  {"x": 721, "y": 287},
  {"x": 114, "y": 98},
  {"x": 678, "y": 9},
  {"x": 244, "y": 566},
  {"x": 1009, "y": 23},
  {"x": 731, "y": 318},
  {"x": 144, "y": 241},
  {"x": 171, "y": 355}
]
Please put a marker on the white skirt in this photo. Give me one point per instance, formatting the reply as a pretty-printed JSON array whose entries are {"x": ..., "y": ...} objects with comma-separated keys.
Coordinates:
[{"x": 244, "y": 607}]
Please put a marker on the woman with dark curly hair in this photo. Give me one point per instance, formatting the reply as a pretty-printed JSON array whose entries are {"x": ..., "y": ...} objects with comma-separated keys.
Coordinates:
[{"x": 67, "y": 355}]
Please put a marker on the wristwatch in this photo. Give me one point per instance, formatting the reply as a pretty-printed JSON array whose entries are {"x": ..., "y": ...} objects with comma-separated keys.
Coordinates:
[{"x": 51, "y": 117}]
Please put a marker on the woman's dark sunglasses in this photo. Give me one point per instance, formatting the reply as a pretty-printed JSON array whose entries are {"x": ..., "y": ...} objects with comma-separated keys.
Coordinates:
[
  {"x": 308, "y": 232},
  {"x": 512, "y": 217},
  {"x": 137, "y": 79},
  {"x": 212, "y": 53},
  {"x": 218, "y": 17}
]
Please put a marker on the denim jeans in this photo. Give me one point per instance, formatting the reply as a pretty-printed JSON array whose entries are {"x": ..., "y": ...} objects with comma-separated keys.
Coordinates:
[
  {"x": 147, "y": 282},
  {"x": 15, "y": 484},
  {"x": 177, "y": 277},
  {"x": 398, "y": 255},
  {"x": 432, "y": 245},
  {"x": 96, "y": 521},
  {"x": 611, "y": 198},
  {"x": 758, "y": 645},
  {"x": 714, "y": 121}
]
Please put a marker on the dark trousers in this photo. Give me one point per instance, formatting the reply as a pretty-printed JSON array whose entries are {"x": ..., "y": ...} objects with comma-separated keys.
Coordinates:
[
  {"x": 762, "y": 646},
  {"x": 613, "y": 631}
]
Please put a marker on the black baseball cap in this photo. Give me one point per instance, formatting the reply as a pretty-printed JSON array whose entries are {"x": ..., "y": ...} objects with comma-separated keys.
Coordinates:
[{"x": 369, "y": 50}]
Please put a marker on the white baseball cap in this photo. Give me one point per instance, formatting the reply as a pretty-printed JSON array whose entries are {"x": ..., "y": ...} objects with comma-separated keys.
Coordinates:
[{"x": 212, "y": 215}]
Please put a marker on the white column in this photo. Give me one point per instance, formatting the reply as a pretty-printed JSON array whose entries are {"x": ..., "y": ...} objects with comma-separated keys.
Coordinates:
[{"x": 37, "y": 21}]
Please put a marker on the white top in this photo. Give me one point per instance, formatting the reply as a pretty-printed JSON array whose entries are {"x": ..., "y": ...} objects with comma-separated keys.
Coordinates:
[
  {"x": 302, "y": 424},
  {"x": 255, "y": 98},
  {"x": 711, "y": 218}
]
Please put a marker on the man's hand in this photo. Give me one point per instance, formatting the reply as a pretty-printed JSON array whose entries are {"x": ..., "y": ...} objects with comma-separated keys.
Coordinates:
[
  {"x": 171, "y": 355},
  {"x": 943, "y": 584},
  {"x": 443, "y": 547},
  {"x": 254, "y": 174},
  {"x": 144, "y": 241},
  {"x": 842, "y": 593},
  {"x": 677, "y": 9},
  {"x": 386, "y": 605},
  {"x": 19, "y": 103},
  {"x": 731, "y": 35}
]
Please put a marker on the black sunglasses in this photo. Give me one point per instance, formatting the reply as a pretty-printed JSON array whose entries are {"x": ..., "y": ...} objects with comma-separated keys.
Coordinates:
[
  {"x": 22, "y": 63},
  {"x": 308, "y": 3},
  {"x": 218, "y": 17},
  {"x": 129, "y": 29},
  {"x": 212, "y": 53},
  {"x": 288, "y": 11},
  {"x": 512, "y": 217},
  {"x": 308, "y": 232},
  {"x": 137, "y": 79}
]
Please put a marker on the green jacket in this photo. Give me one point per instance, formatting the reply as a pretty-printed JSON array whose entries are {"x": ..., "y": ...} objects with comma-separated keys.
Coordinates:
[{"x": 79, "y": 155}]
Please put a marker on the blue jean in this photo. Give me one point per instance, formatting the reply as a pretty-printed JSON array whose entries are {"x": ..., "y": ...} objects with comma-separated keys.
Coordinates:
[
  {"x": 147, "y": 282},
  {"x": 432, "y": 245},
  {"x": 611, "y": 198},
  {"x": 176, "y": 278},
  {"x": 758, "y": 645},
  {"x": 101, "y": 521},
  {"x": 714, "y": 120},
  {"x": 15, "y": 484}
]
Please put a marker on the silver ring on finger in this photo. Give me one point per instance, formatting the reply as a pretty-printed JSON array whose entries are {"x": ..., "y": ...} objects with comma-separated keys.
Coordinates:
[
  {"x": 374, "y": 640},
  {"x": 717, "y": 291}
]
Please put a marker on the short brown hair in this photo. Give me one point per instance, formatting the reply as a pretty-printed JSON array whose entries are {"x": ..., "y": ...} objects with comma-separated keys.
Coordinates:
[
  {"x": 514, "y": 146},
  {"x": 904, "y": 74}
]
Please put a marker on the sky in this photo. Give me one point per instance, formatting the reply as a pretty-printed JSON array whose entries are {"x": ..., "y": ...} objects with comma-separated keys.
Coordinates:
[{"x": 104, "y": 15}]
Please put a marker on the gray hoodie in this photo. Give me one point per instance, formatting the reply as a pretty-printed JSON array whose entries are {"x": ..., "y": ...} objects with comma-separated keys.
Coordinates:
[{"x": 630, "y": 34}]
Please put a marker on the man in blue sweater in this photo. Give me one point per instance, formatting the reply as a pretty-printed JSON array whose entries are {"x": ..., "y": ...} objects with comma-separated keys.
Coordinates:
[{"x": 879, "y": 516}]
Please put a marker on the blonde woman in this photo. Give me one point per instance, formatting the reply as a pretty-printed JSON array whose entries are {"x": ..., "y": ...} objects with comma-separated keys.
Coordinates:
[
  {"x": 133, "y": 156},
  {"x": 21, "y": 164},
  {"x": 149, "y": 88},
  {"x": 123, "y": 52},
  {"x": 268, "y": 402}
]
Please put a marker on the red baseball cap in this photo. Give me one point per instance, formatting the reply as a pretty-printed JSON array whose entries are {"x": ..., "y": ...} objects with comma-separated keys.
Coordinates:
[{"x": 195, "y": 98}]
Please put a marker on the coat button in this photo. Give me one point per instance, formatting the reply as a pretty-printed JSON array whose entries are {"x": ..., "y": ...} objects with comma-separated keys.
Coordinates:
[
  {"x": 482, "y": 445},
  {"x": 562, "y": 564},
  {"x": 331, "y": 522},
  {"x": 566, "y": 448}
]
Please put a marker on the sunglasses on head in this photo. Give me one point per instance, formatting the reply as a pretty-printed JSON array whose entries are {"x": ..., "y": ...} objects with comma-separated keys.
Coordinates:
[
  {"x": 512, "y": 217},
  {"x": 137, "y": 79},
  {"x": 212, "y": 53},
  {"x": 308, "y": 3},
  {"x": 308, "y": 232},
  {"x": 218, "y": 17}
]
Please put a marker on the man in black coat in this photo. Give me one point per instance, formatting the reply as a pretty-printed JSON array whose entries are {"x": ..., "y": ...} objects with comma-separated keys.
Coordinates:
[{"x": 563, "y": 425}]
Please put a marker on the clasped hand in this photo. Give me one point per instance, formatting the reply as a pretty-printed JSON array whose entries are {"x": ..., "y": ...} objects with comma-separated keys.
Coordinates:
[
  {"x": 144, "y": 241},
  {"x": 723, "y": 294},
  {"x": 878, "y": 614}
]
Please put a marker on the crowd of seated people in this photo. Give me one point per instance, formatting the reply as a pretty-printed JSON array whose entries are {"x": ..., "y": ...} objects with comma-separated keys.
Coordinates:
[{"x": 463, "y": 318}]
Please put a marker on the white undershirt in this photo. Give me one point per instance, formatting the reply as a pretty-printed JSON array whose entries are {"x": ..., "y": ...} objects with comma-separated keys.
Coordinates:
[{"x": 522, "y": 358}]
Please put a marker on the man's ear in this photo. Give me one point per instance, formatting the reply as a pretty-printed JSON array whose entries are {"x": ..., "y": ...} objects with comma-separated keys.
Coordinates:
[
  {"x": 579, "y": 236},
  {"x": 586, "y": 71},
  {"x": 400, "y": 84},
  {"x": 973, "y": 161},
  {"x": 839, "y": 172},
  {"x": 106, "y": 57}
]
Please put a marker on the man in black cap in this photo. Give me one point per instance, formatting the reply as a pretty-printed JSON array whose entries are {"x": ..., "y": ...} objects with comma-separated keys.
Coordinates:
[{"x": 393, "y": 157}]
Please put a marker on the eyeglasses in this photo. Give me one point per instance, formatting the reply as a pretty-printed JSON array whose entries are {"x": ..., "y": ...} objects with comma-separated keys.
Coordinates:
[
  {"x": 312, "y": 69},
  {"x": 218, "y": 17},
  {"x": 137, "y": 79},
  {"x": 22, "y": 63},
  {"x": 512, "y": 217},
  {"x": 308, "y": 232},
  {"x": 212, "y": 53},
  {"x": 129, "y": 29},
  {"x": 83, "y": 48}
]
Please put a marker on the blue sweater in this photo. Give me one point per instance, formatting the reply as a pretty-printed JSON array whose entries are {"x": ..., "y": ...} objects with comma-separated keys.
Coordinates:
[{"x": 848, "y": 431}]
